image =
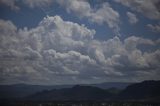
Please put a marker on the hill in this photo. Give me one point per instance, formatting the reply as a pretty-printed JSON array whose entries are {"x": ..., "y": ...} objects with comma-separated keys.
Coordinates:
[
  {"x": 77, "y": 92},
  {"x": 143, "y": 91},
  {"x": 146, "y": 90},
  {"x": 23, "y": 90}
]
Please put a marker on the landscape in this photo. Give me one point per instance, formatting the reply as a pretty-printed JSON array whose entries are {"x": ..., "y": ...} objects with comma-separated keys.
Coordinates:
[
  {"x": 104, "y": 94},
  {"x": 79, "y": 52}
]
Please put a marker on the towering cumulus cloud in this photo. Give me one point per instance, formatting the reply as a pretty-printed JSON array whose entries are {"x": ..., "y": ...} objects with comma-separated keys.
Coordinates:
[
  {"x": 58, "y": 52},
  {"x": 78, "y": 41}
]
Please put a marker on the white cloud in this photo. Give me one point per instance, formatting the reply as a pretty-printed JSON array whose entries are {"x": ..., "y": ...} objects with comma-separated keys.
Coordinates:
[
  {"x": 28, "y": 48},
  {"x": 132, "y": 18},
  {"x": 80, "y": 7},
  {"x": 154, "y": 28},
  {"x": 149, "y": 8},
  {"x": 62, "y": 51},
  {"x": 132, "y": 42},
  {"x": 105, "y": 14},
  {"x": 153, "y": 58}
]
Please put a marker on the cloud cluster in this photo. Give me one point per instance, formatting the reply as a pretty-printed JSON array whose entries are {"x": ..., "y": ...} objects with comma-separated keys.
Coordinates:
[
  {"x": 58, "y": 52},
  {"x": 105, "y": 14},
  {"x": 149, "y": 8}
]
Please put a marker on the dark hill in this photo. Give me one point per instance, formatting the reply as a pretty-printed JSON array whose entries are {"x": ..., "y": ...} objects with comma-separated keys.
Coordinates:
[
  {"x": 23, "y": 90},
  {"x": 146, "y": 91},
  {"x": 142, "y": 91},
  {"x": 75, "y": 93}
]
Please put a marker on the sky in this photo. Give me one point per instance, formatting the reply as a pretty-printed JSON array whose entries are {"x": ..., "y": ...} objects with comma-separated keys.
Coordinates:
[{"x": 54, "y": 42}]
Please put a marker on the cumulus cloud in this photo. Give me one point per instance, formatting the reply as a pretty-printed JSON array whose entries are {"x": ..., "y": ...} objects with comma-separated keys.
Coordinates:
[
  {"x": 105, "y": 14},
  {"x": 59, "y": 51},
  {"x": 80, "y": 7},
  {"x": 132, "y": 42},
  {"x": 149, "y": 8},
  {"x": 132, "y": 18},
  {"x": 50, "y": 46},
  {"x": 154, "y": 28}
]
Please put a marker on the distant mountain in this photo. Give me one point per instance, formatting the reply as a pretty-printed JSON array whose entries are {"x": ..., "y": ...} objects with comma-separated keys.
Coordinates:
[
  {"x": 23, "y": 90},
  {"x": 77, "y": 92},
  {"x": 143, "y": 91},
  {"x": 147, "y": 90},
  {"x": 107, "y": 85}
]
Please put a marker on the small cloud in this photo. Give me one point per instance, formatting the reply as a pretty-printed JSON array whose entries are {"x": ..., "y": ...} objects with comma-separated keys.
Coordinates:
[
  {"x": 149, "y": 8},
  {"x": 132, "y": 18},
  {"x": 154, "y": 28}
]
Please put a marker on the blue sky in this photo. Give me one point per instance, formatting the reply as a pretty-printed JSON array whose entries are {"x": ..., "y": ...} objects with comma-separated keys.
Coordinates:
[{"x": 79, "y": 41}]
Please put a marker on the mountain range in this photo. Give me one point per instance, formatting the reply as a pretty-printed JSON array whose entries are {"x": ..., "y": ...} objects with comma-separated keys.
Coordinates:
[
  {"x": 143, "y": 91},
  {"x": 23, "y": 90}
]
